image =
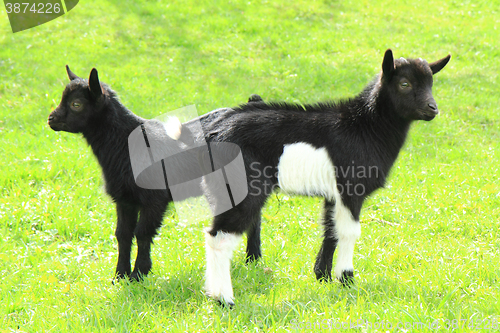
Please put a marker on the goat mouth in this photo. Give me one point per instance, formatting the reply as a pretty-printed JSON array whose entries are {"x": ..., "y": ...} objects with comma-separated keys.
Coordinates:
[
  {"x": 57, "y": 126},
  {"x": 428, "y": 116}
]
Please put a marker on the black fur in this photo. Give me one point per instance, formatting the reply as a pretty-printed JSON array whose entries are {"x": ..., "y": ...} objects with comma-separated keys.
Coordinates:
[{"x": 254, "y": 98}]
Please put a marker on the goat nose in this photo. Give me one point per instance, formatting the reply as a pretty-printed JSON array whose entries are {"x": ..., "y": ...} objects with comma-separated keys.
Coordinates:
[{"x": 433, "y": 107}]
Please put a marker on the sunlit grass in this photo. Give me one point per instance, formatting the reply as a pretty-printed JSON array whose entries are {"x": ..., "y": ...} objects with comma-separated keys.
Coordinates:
[{"x": 430, "y": 242}]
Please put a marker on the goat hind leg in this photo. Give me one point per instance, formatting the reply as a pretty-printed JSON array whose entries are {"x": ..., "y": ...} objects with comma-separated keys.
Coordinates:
[
  {"x": 219, "y": 251},
  {"x": 149, "y": 222},
  {"x": 253, "y": 252}
]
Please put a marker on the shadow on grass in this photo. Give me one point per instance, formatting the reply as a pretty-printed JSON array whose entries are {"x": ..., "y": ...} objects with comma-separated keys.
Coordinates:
[
  {"x": 254, "y": 287},
  {"x": 264, "y": 299}
]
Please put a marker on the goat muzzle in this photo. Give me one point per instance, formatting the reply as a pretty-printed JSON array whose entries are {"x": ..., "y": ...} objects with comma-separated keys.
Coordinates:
[{"x": 52, "y": 121}]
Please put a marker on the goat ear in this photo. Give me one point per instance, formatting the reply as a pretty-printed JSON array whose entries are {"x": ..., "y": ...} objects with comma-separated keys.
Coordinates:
[
  {"x": 71, "y": 75},
  {"x": 94, "y": 85},
  {"x": 388, "y": 64},
  {"x": 439, "y": 65}
]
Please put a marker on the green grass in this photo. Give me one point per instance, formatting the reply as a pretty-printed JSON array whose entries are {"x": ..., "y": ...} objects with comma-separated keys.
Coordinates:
[{"x": 430, "y": 243}]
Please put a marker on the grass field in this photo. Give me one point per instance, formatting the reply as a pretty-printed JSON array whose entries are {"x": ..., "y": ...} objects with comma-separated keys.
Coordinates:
[{"x": 429, "y": 250}]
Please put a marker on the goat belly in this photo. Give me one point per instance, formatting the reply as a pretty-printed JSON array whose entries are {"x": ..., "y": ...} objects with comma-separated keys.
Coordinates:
[{"x": 306, "y": 170}]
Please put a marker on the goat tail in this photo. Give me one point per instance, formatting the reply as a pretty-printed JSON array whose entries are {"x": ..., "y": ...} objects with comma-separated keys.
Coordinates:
[
  {"x": 173, "y": 126},
  {"x": 178, "y": 131}
]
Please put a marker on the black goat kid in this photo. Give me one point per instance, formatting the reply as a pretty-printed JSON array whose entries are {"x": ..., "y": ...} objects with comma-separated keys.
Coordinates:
[
  {"x": 93, "y": 109},
  {"x": 342, "y": 151}
]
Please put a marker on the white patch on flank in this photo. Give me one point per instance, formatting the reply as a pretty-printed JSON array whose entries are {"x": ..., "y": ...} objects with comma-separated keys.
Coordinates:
[
  {"x": 173, "y": 127},
  {"x": 219, "y": 251},
  {"x": 347, "y": 231},
  {"x": 303, "y": 169}
]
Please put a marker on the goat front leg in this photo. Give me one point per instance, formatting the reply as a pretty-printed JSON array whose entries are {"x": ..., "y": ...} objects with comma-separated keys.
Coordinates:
[
  {"x": 126, "y": 223},
  {"x": 324, "y": 259},
  {"x": 347, "y": 231},
  {"x": 149, "y": 222}
]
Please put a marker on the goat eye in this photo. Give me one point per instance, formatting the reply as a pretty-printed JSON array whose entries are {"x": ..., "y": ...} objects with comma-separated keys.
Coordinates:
[
  {"x": 404, "y": 85},
  {"x": 76, "y": 105}
]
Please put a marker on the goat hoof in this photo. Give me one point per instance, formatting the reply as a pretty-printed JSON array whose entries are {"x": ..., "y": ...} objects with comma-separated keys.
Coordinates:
[
  {"x": 252, "y": 258},
  {"x": 221, "y": 301},
  {"x": 347, "y": 278},
  {"x": 137, "y": 276},
  {"x": 322, "y": 276},
  {"x": 224, "y": 304},
  {"x": 118, "y": 277}
]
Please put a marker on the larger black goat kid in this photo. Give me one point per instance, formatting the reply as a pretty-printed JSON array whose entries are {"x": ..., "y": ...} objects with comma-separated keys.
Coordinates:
[{"x": 342, "y": 151}]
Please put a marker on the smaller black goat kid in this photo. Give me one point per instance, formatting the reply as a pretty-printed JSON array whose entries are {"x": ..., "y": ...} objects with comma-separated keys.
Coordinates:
[{"x": 91, "y": 108}]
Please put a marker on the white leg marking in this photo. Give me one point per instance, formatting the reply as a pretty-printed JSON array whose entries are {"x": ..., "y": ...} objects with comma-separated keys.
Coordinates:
[
  {"x": 347, "y": 231},
  {"x": 219, "y": 251},
  {"x": 303, "y": 169}
]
